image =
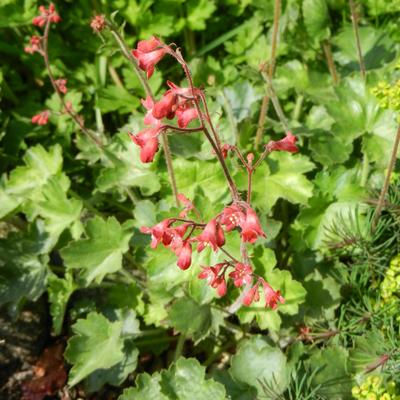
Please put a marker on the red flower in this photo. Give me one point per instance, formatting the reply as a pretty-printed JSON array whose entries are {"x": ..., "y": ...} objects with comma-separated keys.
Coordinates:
[
  {"x": 288, "y": 143},
  {"x": 42, "y": 118},
  {"x": 166, "y": 107},
  {"x": 61, "y": 85},
  {"x": 242, "y": 274},
  {"x": 184, "y": 254},
  {"x": 185, "y": 93},
  {"x": 173, "y": 236},
  {"x": 158, "y": 232},
  {"x": 251, "y": 227},
  {"x": 186, "y": 115},
  {"x": 272, "y": 297},
  {"x": 34, "y": 42},
  {"x": 46, "y": 14},
  {"x": 252, "y": 295},
  {"x": 220, "y": 285},
  {"x": 148, "y": 54},
  {"x": 147, "y": 140},
  {"x": 225, "y": 148},
  {"x": 149, "y": 119},
  {"x": 212, "y": 235},
  {"x": 232, "y": 216},
  {"x": 211, "y": 274},
  {"x": 189, "y": 206},
  {"x": 98, "y": 23}
]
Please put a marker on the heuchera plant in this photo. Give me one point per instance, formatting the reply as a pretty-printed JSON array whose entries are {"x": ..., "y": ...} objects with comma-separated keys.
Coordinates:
[
  {"x": 187, "y": 231},
  {"x": 184, "y": 233}
]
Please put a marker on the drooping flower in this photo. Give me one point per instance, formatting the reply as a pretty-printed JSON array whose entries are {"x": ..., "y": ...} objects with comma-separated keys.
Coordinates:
[
  {"x": 272, "y": 297},
  {"x": 61, "y": 85},
  {"x": 242, "y": 274},
  {"x": 98, "y": 23},
  {"x": 232, "y": 216},
  {"x": 157, "y": 232},
  {"x": 214, "y": 278},
  {"x": 212, "y": 235},
  {"x": 288, "y": 143},
  {"x": 34, "y": 47},
  {"x": 148, "y": 54},
  {"x": 42, "y": 118},
  {"x": 149, "y": 119},
  {"x": 184, "y": 254},
  {"x": 186, "y": 114},
  {"x": 252, "y": 295},
  {"x": 251, "y": 227},
  {"x": 225, "y": 149},
  {"x": 166, "y": 107},
  {"x": 147, "y": 140},
  {"x": 46, "y": 14},
  {"x": 189, "y": 206}
]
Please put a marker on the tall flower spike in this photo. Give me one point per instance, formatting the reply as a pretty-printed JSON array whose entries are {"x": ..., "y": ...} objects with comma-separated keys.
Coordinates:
[
  {"x": 288, "y": 143},
  {"x": 148, "y": 54}
]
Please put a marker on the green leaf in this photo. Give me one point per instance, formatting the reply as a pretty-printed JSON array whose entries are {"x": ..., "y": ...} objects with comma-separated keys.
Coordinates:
[
  {"x": 117, "y": 374},
  {"x": 259, "y": 364},
  {"x": 368, "y": 350},
  {"x": 190, "y": 318},
  {"x": 198, "y": 11},
  {"x": 377, "y": 48},
  {"x": 26, "y": 181},
  {"x": 184, "y": 380},
  {"x": 193, "y": 174},
  {"x": 113, "y": 98},
  {"x": 96, "y": 344},
  {"x": 101, "y": 252},
  {"x": 356, "y": 111},
  {"x": 240, "y": 97},
  {"x": 126, "y": 170},
  {"x": 333, "y": 372},
  {"x": 23, "y": 264},
  {"x": 316, "y": 19},
  {"x": 58, "y": 211},
  {"x": 282, "y": 177},
  {"x": 59, "y": 291}
]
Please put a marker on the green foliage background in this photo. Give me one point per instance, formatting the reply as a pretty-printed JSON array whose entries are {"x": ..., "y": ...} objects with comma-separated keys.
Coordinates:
[{"x": 70, "y": 214}]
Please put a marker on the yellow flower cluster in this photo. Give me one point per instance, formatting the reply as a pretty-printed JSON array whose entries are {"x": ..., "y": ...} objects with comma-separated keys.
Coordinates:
[
  {"x": 372, "y": 389},
  {"x": 388, "y": 95},
  {"x": 390, "y": 286}
]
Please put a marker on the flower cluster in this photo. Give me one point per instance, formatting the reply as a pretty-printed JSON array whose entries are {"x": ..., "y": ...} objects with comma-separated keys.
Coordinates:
[
  {"x": 46, "y": 14},
  {"x": 183, "y": 235},
  {"x": 373, "y": 388}
]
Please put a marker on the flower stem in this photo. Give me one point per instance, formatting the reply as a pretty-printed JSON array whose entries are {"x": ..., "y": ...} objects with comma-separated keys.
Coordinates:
[
  {"x": 164, "y": 138},
  {"x": 275, "y": 101},
  {"x": 271, "y": 68},
  {"x": 354, "y": 20},
  {"x": 385, "y": 187},
  {"x": 67, "y": 109},
  {"x": 326, "y": 46}
]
